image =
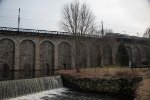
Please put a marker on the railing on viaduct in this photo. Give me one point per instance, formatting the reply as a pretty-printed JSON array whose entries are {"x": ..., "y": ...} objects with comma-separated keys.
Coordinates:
[
  {"x": 31, "y": 30},
  {"x": 41, "y": 31}
]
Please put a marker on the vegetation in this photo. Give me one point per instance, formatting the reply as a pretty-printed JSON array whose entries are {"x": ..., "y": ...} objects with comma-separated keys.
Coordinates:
[
  {"x": 143, "y": 91},
  {"x": 147, "y": 33},
  {"x": 117, "y": 80},
  {"x": 116, "y": 86},
  {"x": 78, "y": 20},
  {"x": 113, "y": 72}
]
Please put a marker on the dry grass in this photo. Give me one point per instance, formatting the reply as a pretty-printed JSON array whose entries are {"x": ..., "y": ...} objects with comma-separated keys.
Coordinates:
[
  {"x": 143, "y": 92},
  {"x": 107, "y": 72}
]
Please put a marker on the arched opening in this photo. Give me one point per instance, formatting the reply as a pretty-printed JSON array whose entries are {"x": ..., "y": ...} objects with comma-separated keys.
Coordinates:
[
  {"x": 6, "y": 70},
  {"x": 81, "y": 57},
  {"x": 137, "y": 56},
  {"x": 47, "y": 58},
  {"x": 107, "y": 55},
  {"x": 95, "y": 60},
  {"x": 129, "y": 51},
  {"x": 144, "y": 56},
  {"x": 27, "y": 59},
  {"x": 64, "y": 56},
  {"x": 47, "y": 67},
  {"x": 7, "y": 56},
  {"x": 27, "y": 70}
]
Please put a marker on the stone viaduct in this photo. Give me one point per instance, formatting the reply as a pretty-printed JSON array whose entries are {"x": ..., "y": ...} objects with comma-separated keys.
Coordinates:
[{"x": 32, "y": 53}]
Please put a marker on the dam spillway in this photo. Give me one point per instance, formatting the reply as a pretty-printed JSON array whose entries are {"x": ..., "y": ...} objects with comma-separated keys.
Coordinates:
[{"x": 15, "y": 88}]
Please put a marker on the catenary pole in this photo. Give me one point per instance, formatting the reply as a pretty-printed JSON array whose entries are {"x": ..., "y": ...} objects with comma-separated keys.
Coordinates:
[{"x": 19, "y": 20}]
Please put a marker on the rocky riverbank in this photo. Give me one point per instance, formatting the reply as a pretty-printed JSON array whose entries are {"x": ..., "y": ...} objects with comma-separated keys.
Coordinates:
[{"x": 121, "y": 86}]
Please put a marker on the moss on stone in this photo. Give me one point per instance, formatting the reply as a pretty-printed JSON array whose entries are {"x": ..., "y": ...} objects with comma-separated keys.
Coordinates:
[{"x": 121, "y": 86}]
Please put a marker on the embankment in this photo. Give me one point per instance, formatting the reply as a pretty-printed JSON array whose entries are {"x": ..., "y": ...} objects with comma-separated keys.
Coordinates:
[{"x": 115, "y": 86}]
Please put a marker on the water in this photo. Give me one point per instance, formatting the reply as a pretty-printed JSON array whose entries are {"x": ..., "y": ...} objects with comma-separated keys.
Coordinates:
[
  {"x": 44, "y": 88},
  {"x": 15, "y": 88},
  {"x": 64, "y": 94}
]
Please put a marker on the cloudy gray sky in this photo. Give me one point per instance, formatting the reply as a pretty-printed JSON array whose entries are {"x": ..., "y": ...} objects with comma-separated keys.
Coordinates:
[{"x": 131, "y": 16}]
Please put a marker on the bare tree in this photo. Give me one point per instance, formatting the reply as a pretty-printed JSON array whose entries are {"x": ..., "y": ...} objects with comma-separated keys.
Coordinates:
[
  {"x": 101, "y": 32},
  {"x": 147, "y": 33},
  {"x": 108, "y": 31},
  {"x": 78, "y": 20}
]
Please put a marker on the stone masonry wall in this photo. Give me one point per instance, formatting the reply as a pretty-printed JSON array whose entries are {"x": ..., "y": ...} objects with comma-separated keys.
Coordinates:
[{"x": 34, "y": 55}]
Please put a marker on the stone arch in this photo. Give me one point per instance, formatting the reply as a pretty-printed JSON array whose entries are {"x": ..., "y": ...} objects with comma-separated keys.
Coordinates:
[
  {"x": 137, "y": 55},
  {"x": 129, "y": 51},
  {"x": 144, "y": 55},
  {"x": 107, "y": 55},
  {"x": 95, "y": 56},
  {"x": 27, "y": 58},
  {"x": 47, "y": 58},
  {"x": 26, "y": 39},
  {"x": 65, "y": 41},
  {"x": 47, "y": 40},
  {"x": 81, "y": 56},
  {"x": 64, "y": 55},
  {"x": 7, "y": 56}
]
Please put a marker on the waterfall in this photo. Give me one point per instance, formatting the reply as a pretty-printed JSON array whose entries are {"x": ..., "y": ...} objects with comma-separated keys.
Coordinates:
[{"x": 14, "y": 88}]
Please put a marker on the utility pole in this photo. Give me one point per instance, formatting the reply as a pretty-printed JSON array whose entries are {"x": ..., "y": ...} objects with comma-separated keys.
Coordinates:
[
  {"x": 102, "y": 45},
  {"x": 125, "y": 34},
  {"x": 102, "y": 29},
  {"x": 19, "y": 20}
]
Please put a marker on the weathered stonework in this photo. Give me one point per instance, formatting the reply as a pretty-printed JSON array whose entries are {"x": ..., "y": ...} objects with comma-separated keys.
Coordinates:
[
  {"x": 7, "y": 54},
  {"x": 34, "y": 54},
  {"x": 123, "y": 87},
  {"x": 47, "y": 58}
]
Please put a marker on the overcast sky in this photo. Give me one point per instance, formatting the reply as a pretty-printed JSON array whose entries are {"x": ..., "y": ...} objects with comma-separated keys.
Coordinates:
[{"x": 131, "y": 16}]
